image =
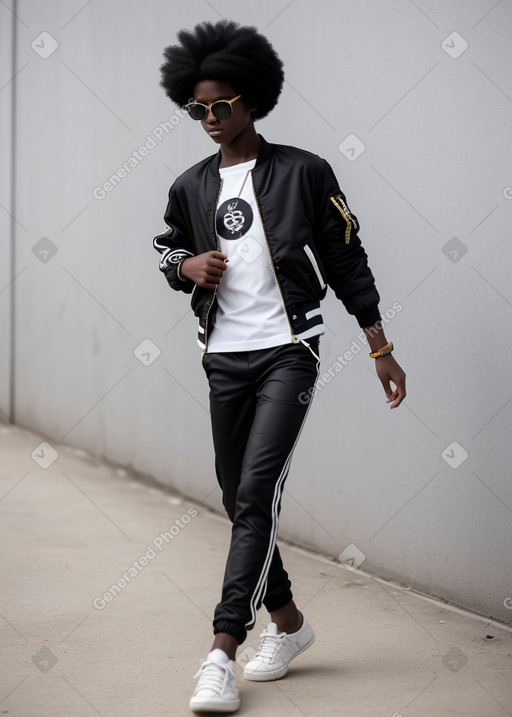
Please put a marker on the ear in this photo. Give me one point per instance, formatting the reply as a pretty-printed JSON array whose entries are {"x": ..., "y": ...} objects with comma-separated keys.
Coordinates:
[{"x": 251, "y": 107}]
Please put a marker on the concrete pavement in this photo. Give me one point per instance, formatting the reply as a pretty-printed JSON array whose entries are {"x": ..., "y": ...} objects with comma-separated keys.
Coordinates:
[{"x": 109, "y": 585}]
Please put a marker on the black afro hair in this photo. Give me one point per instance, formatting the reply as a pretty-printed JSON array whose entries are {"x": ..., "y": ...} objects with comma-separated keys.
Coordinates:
[{"x": 228, "y": 52}]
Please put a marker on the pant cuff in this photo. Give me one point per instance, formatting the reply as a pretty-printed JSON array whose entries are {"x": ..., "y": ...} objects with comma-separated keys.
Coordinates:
[{"x": 232, "y": 628}]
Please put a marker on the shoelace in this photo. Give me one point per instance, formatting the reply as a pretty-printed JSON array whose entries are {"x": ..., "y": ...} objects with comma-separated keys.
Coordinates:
[
  {"x": 269, "y": 645},
  {"x": 213, "y": 676}
]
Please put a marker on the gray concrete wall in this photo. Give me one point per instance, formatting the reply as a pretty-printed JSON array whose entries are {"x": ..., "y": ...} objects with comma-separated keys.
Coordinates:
[
  {"x": 411, "y": 104},
  {"x": 6, "y": 196}
]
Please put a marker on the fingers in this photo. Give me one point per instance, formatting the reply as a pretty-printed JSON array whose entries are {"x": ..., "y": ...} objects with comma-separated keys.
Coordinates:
[
  {"x": 216, "y": 267},
  {"x": 396, "y": 403},
  {"x": 392, "y": 378},
  {"x": 395, "y": 398},
  {"x": 394, "y": 394},
  {"x": 216, "y": 262},
  {"x": 213, "y": 276},
  {"x": 391, "y": 396},
  {"x": 213, "y": 273},
  {"x": 209, "y": 269}
]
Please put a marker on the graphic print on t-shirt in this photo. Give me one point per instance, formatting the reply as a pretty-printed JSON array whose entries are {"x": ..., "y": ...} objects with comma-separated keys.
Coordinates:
[
  {"x": 250, "y": 313},
  {"x": 234, "y": 218}
]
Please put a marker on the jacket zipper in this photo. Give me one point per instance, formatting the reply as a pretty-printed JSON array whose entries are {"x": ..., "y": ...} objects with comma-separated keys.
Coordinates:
[
  {"x": 295, "y": 338},
  {"x": 214, "y": 234}
]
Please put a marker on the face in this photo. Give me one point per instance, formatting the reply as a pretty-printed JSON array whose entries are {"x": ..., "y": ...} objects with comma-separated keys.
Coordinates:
[{"x": 227, "y": 130}]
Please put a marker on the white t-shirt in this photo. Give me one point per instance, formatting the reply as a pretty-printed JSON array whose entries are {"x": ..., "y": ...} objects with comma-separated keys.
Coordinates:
[{"x": 250, "y": 314}]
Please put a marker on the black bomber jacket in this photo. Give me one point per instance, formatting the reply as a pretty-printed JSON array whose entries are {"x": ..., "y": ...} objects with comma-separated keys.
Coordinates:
[{"x": 311, "y": 236}]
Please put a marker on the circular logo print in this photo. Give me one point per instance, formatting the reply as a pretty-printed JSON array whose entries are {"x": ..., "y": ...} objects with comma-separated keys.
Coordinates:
[{"x": 234, "y": 218}]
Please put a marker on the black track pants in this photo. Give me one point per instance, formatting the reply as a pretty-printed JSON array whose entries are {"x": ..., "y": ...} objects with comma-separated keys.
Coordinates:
[{"x": 258, "y": 404}]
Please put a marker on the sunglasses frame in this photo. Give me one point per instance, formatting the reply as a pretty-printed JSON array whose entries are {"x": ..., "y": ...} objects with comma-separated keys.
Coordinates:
[{"x": 209, "y": 107}]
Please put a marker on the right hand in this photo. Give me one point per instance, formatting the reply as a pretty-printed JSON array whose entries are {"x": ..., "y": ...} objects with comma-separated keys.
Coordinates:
[{"x": 205, "y": 270}]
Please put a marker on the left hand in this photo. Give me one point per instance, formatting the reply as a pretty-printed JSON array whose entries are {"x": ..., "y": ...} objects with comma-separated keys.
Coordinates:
[{"x": 389, "y": 370}]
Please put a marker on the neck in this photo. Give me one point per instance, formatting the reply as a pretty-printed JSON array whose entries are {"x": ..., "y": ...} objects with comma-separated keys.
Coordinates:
[{"x": 242, "y": 149}]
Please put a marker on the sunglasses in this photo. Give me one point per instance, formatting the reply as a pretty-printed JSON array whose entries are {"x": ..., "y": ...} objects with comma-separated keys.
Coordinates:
[{"x": 221, "y": 109}]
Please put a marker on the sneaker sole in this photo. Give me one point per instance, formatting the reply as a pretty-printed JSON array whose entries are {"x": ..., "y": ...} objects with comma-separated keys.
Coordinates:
[
  {"x": 275, "y": 674},
  {"x": 202, "y": 705}
]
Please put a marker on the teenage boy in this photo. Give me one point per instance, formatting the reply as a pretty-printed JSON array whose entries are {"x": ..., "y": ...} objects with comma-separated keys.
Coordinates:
[{"x": 255, "y": 234}]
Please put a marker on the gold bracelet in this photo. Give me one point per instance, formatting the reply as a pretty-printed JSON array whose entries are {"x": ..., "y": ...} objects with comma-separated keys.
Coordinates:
[{"x": 384, "y": 351}]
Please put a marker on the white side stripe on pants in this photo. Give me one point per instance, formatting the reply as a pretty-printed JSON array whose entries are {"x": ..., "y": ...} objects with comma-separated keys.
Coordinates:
[{"x": 262, "y": 581}]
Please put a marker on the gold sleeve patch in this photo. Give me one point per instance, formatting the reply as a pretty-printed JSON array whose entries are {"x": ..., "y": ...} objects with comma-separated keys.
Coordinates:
[{"x": 338, "y": 199}]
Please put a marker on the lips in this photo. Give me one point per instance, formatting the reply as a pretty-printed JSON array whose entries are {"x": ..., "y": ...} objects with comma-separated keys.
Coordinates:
[{"x": 215, "y": 132}]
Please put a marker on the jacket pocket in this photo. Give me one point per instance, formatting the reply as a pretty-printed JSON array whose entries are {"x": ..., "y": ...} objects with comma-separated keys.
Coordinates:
[{"x": 314, "y": 264}]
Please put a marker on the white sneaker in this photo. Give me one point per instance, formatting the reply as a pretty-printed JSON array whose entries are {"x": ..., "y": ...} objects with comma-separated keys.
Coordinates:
[
  {"x": 276, "y": 651},
  {"x": 216, "y": 690}
]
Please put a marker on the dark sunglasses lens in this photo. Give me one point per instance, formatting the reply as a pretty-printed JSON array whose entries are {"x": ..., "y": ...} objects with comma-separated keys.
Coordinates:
[
  {"x": 196, "y": 111},
  {"x": 221, "y": 110}
]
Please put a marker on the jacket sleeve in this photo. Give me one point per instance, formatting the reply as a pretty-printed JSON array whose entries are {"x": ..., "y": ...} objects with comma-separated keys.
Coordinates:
[
  {"x": 175, "y": 244},
  {"x": 343, "y": 257}
]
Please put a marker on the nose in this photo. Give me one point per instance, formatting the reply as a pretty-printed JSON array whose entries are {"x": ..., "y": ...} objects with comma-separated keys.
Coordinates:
[{"x": 210, "y": 118}]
